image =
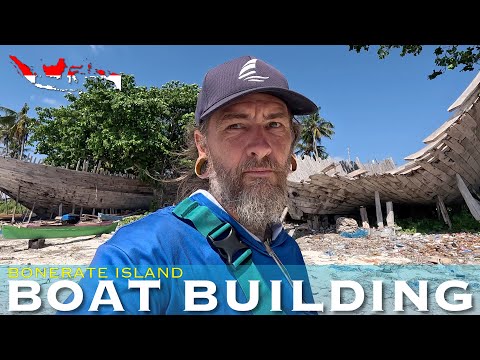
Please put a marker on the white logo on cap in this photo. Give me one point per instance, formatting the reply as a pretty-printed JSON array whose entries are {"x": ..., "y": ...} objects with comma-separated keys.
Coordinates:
[{"x": 248, "y": 72}]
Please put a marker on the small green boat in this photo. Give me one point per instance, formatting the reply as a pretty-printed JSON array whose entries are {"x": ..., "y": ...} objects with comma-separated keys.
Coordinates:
[{"x": 57, "y": 231}]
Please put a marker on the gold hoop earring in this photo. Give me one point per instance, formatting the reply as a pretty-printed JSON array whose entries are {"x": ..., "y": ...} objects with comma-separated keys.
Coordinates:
[
  {"x": 198, "y": 167},
  {"x": 294, "y": 163}
]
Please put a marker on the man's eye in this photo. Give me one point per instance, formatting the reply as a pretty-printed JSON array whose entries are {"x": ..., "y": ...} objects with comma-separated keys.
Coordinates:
[
  {"x": 274, "y": 124},
  {"x": 234, "y": 126}
]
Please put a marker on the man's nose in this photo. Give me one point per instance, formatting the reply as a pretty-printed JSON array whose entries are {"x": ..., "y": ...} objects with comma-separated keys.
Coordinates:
[{"x": 258, "y": 144}]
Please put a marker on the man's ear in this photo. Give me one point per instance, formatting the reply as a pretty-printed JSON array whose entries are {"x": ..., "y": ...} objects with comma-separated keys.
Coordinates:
[{"x": 200, "y": 143}]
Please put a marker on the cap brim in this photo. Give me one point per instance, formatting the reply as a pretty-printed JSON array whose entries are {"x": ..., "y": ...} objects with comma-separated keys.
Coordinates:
[{"x": 296, "y": 103}]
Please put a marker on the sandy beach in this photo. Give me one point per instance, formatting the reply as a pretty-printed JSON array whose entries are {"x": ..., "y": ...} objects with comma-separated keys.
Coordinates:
[
  {"x": 318, "y": 249},
  {"x": 66, "y": 251}
]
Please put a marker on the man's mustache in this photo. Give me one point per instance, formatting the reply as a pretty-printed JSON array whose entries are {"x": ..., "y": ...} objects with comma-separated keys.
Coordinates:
[{"x": 266, "y": 163}]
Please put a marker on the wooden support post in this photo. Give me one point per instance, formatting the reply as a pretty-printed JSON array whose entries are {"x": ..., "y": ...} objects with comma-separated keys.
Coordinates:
[
  {"x": 316, "y": 222},
  {"x": 390, "y": 215},
  {"x": 443, "y": 211},
  {"x": 364, "y": 216},
  {"x": 378, "y": 208},
  {"x": 81, "y": 211},
  {"x": 439, "y": 212},
  {"x": 93, "y": 211},
  {"x": 324, "y": 221},
  {"x": 78, "y": 164},
  {"x": 310, "y": 224},
  {"x": 24, "y": 214},
  {"x": 31, "y": 212},
  {"x": 73, "y": 208},
  {"x": 15, "y": 207},
  {"x": 472, "y": 203},
  {"x": 60, "y": 209},
  {"x": 6, "y": 203}
]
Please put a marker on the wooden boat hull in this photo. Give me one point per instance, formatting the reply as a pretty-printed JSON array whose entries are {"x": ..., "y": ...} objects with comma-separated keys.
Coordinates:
[
  {"x": 444, "y": 171},
  {"x": 61, "y": 231},
  {"x": 45, "y": 187}
]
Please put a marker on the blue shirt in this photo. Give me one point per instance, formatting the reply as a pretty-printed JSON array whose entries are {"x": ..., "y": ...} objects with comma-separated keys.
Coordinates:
[{"x": 163, "y": 246}]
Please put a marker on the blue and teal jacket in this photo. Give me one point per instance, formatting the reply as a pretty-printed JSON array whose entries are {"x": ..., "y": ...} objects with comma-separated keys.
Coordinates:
[{"x": 163, "y": 246}]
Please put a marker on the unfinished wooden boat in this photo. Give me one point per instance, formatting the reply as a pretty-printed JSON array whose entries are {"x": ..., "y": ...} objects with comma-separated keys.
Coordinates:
[
  {"x": 43, "y": 188},
  {"x": 33, "y": 231},
  {"x": 445, "y": 171}
]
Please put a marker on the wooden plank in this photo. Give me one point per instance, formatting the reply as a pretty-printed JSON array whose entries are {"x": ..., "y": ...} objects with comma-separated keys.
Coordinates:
[
  {"x": 473, "y": 116},
  {"x": 356, "y": 188},
  {"x": 461, "y": 166},
  {"x": 413, "y": 188},
  {"x": 436, "y": 177},
  {"x": 357, "y": 172},
  {"x": 394, "y": 189},
  {"x": 468, "y": 93},
  {"x": 442, "y": 129},
  {"x": 426, "y": 180},
  {"x": 471, "y": 144},
  {"x": 382, "y": 186},
  {"x": 431, "y": 146},
  {"x": 472, "y": 204},
  {"x": 410, "y": 169},
  {"x": 444, "y": 212}
]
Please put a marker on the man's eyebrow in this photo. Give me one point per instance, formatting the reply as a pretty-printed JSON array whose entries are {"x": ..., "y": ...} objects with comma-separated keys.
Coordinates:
[
  {"x": 234, "y": 115},
  {"x": 276, "y": 115}
]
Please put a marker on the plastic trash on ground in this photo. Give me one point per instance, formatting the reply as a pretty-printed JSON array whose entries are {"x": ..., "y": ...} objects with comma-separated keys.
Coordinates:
[{"x": 359, "y": 233}]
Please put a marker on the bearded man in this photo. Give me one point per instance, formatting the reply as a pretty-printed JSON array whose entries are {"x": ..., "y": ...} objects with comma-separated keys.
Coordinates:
[{"x": 227, "y": 244}]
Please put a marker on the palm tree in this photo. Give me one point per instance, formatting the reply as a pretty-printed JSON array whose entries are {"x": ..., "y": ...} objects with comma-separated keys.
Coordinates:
[
  {"x": 7, "y": 121},
  {"x": 14, "y": 130},
  {"x": 314, "y": 127}
]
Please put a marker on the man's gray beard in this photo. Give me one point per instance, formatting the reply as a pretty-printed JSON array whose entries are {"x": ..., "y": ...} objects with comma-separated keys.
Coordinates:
[{"x": 257, "y": 203}]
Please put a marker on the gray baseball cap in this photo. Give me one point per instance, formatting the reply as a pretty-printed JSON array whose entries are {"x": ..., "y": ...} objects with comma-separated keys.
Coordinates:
[{"x": 246, "y": 75}]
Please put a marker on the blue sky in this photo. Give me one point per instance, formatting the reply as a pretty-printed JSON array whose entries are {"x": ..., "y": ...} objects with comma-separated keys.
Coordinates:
[{"x": 380, "y": 108}]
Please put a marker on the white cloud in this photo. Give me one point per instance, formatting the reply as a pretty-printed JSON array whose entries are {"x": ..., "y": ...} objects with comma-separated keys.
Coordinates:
[
  {"x": 96, "y": 48},
  {"x": 51, "y": 102}
]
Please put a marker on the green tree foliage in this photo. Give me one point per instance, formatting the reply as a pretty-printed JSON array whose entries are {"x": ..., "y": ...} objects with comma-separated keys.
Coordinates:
[
  {"x": 15, "y": 127},
  {"x": 447, "y": 57},
  {"x": 136, "y": 129},
  {"x": 314, "y": 127}
]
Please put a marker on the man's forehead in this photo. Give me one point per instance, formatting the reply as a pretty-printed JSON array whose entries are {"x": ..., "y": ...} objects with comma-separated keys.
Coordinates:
[{"x": 252, "y": 99}]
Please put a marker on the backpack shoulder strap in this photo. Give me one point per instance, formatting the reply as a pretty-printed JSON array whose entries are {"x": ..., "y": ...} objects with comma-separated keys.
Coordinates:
[{"x": 228, "y": 246}]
